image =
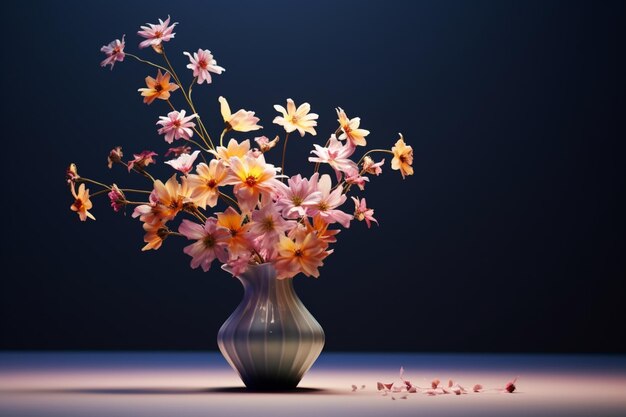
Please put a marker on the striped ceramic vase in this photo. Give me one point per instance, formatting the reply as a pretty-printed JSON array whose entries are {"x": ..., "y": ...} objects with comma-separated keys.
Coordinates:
[{"x": 271, "y": 339}]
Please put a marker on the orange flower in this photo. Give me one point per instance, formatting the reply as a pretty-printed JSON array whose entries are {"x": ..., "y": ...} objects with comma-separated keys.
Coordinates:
[
  {"x": 155, "y": 235},
  {"x": 304, "y": 254},
  {"x": 320, "y": 228},
  {"x": 82, "y": 203},
  {"x": 233, "y": 221},
  {"x": 402, "y": 157},
  {"x": 205, "y": 185},
  {"x": 159, "y": 88},
  {"x": 166, "y": 201}
]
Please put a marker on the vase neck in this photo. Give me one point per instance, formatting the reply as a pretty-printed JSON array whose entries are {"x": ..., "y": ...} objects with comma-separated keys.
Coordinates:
[{"x": 260, "y": 282}]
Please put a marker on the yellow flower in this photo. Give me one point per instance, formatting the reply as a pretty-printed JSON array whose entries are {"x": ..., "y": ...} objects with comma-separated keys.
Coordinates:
[
  {"x": 82, "y": 203},
  {"x": 233, "y": 149},
  {"x": 402, "y": 157},
  {"x": 159, "y": 88},
  {"x": 350, "y": 129},
  {"x": 241, "y": 121},
  {"x": 299, "y": 118}
]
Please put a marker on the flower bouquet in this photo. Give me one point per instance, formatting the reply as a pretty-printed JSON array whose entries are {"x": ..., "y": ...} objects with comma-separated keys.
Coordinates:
[{"x": 235, "y": 206}]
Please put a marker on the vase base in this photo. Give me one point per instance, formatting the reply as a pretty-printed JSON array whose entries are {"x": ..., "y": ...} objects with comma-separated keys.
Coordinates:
[{"x": 271, "y": 386}]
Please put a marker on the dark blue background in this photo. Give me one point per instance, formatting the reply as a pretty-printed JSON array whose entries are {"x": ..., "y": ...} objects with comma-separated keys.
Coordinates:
[{"x": 509, "y": 237}]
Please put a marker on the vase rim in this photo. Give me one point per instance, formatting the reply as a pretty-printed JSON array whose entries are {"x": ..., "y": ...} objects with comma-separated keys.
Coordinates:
[{"x": 228, "y": 269}]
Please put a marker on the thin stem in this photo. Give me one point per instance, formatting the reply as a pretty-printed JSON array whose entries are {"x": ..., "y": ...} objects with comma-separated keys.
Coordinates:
[
  {"x": 142, "y": 171},
  {"x": 282, "y": 168},
  {"x": 229, "y": 199},
  {"x": 136, "y": 203},
  {"x": 148, "y": 62},
  {"x": 222, "y": 136},
  {"x": 372, "y": 151},
  {"x": 175, "y": 234},
  {"x": 98, "y": 193},
  {"x": 188, "y": 98},
  {"x": 258, "y": 255},
  {"x": 94, "y": 182},
  {"x": 132, "y": 190}
]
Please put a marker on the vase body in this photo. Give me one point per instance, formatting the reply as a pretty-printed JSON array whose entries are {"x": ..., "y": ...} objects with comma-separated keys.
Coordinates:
[{"x": 271, "y": 339}]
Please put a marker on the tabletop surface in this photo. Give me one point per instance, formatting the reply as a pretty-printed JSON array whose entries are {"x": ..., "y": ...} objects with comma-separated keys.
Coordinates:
[{"x": 202, "y": 384}]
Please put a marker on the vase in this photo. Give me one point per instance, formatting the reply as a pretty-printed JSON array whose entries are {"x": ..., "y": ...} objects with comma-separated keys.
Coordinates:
[{"x": 271, "y": 340}]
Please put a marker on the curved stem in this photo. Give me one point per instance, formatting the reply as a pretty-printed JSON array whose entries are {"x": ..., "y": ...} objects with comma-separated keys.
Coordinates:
[
  {"x": 209, "y": 144},
  {"x": 282, "y": 167},
  {"x": 229, "y": 199},
  {"x": 222, "y": 136},
  {"x": 94, "y": 182},
  {"x": 372, "y": 151},
  {"x": 148, "y": 62}
]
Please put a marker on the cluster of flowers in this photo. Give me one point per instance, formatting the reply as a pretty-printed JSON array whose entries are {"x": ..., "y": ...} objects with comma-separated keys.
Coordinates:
[
  {"x": 405, "y": 387},
  {"x": 289, "y": 221}
]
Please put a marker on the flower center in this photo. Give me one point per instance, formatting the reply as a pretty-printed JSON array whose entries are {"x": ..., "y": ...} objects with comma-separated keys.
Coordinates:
[
  {"x": 294, "y": 119},
  {"x": 298, "y": 253},
  {"x": 158, "y": 88},
  {"x": 322, "y": 206},
  {"x": 211, "y": 183},
  {"x": 268, "y": 223},
  {"x": 209, "y": 241},
  {"x": 158, "y": 34},
  {"x": 203, "y": 64},
  {"x": 78, "y": 203},
  {"x": 296, "y": 200},
  {"x": 176, "y": 123},
  {"x": 251, "y": 180}
]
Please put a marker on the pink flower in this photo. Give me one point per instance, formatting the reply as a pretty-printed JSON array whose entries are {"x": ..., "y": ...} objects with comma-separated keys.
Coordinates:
[
  {"x": 267, "y": 226},
  {"x": 116, "y": 196},
  {"x": 336, "y": 155},
  {"x": 330, "y": 199},
  {"x": 184, "y": 163},
  {"x": 156, "y": 34},
  {"x": 142, "y": 160},
  {"x": 265, "y": 144},
  {"x": 211, "y": 242},
  {"x": 176, "y": 126},
  {"x": 298, "y": 197},
  {"x": 361, "y": 212},
  {"x": 202, "y": 64},
  {"x": 239, "y": 264},
  {"x": 115, "y": 156},
  {"x": 353, "y": 176},
  {"x": 114, "y": 52},
  {"x": 371, "y": 167},
  {"x": 178, "y": 151}
]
